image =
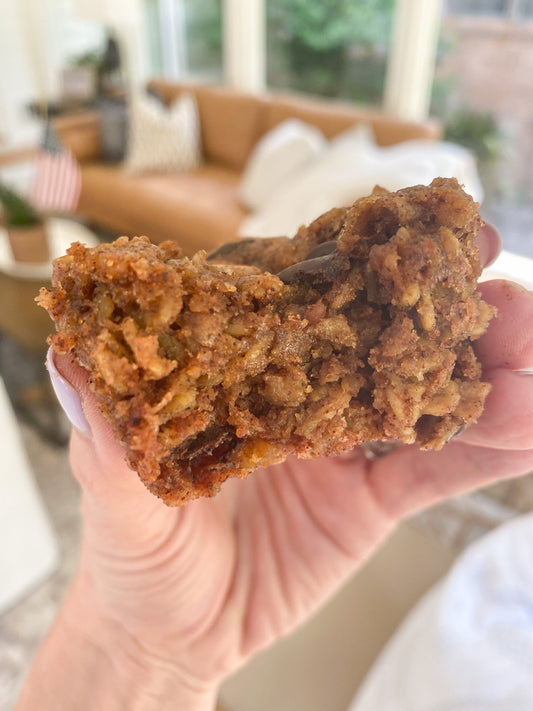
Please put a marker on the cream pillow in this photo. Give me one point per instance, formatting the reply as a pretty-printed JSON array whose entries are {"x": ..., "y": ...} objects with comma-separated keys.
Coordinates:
[
  {"x": 279, "y": 155},
  {"x": 336, "y": 178},
  {"x": 163, "y": 138}
]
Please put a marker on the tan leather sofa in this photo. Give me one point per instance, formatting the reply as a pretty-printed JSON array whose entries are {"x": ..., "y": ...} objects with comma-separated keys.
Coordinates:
[{"x": 201, "y": 209}]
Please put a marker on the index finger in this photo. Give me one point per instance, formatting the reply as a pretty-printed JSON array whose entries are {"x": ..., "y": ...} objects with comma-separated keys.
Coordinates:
[
  {"x": 508, "y": 342},
  {"x": 489, "y": 243}
]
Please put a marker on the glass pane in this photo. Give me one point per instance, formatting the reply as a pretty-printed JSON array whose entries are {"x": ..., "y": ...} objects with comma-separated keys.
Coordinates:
[
  {"x": 185, "y": 38},
  {"x": 337, "y": 48},
  {"x": 483, "y": 94},
  {"x": 203, "y": 32}
]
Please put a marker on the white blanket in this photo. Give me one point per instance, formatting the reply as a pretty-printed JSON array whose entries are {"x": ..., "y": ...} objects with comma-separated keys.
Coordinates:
[{"x": 468, "y": 645}]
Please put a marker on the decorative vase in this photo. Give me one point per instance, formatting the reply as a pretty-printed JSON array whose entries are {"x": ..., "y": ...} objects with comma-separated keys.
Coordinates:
[{"x": 29, "y": 244}]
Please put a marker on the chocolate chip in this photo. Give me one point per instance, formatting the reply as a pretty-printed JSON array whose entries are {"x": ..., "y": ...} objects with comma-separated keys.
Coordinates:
[
  {"x": 323, "y": 249},
  {"x": 312, "y": 271},
  {"x": 228, "y": 248}
]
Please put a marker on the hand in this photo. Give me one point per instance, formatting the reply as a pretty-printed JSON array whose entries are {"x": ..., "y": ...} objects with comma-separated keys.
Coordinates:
[{"x": 197, "y": 590}]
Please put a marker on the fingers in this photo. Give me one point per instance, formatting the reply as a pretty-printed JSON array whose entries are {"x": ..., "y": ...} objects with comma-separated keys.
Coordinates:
[
  {"x": 115, "y": 501},
  {"x": 508, "y": 342},
  {"x": 490, "y": 243},
  {"x": 507, "y": 420},
  {"x": 409, "y": 480},
  {"x": 91, "y": 432},
  {"x": 500, "y": 445},
  {"x": 67, "y": 393}
]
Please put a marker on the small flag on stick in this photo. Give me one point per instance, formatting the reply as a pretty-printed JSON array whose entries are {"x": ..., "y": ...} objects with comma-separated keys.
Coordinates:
[{"x": 57, "y": 185}]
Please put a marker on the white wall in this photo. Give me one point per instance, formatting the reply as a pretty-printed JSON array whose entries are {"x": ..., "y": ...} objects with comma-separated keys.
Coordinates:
[
  {"x": 38, "y": 37},
  {"x": 127, "y": 19},
  {"x": 18, "y": 84}
]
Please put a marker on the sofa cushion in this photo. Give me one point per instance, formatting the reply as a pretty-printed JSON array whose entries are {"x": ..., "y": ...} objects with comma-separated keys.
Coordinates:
[
  {"x": 230, "y": 124},
  {"x": 333, "y": 117},
  {"x": 230, "y": 120},
  {"x": 198, "y": 209}
]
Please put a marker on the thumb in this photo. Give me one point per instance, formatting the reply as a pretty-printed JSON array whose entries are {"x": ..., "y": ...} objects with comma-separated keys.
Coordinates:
[{"x": 114, "y": 498}]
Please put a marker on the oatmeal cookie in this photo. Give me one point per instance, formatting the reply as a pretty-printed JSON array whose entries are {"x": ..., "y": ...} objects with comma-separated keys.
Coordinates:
[{"x": 358, "y": 329}]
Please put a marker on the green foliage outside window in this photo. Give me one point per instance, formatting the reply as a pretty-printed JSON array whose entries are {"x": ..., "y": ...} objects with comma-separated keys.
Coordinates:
[
  {"x": 334, "y": 47},
  {"x": 476, "y": 130},
  {"x": 325, "y": 25},
  {"x": 204, "y": 37}
]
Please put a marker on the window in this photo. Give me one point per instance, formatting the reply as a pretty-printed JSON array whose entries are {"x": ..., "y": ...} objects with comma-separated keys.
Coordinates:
[
  {"x": 483, "y": 94},
  {"x": 185, "y": 38},
  {"x": 337, "y": 48}
]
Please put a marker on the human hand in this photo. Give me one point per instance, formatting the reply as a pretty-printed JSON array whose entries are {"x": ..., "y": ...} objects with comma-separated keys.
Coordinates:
[{"x": 196, "y": 590}]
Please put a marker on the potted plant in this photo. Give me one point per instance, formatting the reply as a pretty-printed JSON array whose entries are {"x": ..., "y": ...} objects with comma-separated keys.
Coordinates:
[
  {"x": 25, "y": 228},
  {"x": 80, "y": 78}
]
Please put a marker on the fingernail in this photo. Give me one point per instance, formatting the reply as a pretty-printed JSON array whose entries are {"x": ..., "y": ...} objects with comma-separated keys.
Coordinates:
[
  {"x": 490, "y": 246},
  {"x": 67, "y": 396}
]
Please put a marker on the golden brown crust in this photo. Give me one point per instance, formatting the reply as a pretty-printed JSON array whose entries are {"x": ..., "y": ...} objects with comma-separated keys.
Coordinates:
[{"x": 208, "y": 370}]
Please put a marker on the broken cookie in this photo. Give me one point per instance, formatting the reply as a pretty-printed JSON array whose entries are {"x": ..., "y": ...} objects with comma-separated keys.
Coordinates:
[{"x": 358, "y": 329}]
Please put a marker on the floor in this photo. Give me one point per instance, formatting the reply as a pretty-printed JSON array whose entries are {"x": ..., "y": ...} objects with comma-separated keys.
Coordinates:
[{"x": 23, "y": 627}]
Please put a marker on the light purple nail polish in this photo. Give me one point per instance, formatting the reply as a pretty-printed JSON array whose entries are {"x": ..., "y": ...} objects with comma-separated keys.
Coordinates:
[{"x": 67, "y": 396}]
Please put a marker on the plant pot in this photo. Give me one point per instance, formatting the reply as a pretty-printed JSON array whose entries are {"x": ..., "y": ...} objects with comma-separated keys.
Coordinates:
[
  {"x": 79, "y": 84},
  {"x": 29, "y": 244}
]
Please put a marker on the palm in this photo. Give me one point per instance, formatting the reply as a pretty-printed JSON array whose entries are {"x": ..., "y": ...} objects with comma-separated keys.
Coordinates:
[
  {"x": 230, "y": 574},
  {"x": 210, "y": 583}
]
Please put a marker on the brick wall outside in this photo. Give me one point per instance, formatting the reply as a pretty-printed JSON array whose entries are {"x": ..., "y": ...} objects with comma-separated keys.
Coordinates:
[{"x": 491, "y": 66}]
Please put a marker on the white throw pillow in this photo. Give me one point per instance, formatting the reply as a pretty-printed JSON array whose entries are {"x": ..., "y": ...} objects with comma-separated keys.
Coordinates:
[
  {"x": 350, "y": 169},
  {"x": 285, "y": 149},
  {"x": 163, "y": 138},
  {"x": 332, "y": 180}
]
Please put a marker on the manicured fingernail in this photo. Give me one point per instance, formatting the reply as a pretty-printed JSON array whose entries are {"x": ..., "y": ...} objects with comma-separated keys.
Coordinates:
[
  {"x": 490, "y": 244},
  {"x": 67, "y": 396}
]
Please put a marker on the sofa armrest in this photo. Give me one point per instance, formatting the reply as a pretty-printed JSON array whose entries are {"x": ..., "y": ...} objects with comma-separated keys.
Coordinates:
[{"x": 80, "y": 133}]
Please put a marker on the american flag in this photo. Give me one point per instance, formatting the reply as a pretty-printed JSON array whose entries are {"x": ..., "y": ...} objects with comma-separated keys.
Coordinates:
[{"x": 57, "y": 184}]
